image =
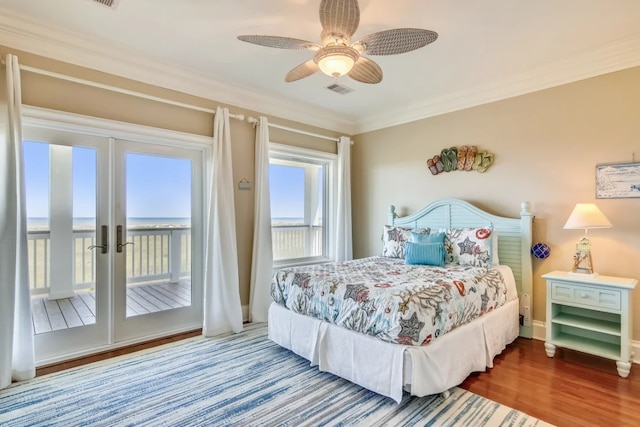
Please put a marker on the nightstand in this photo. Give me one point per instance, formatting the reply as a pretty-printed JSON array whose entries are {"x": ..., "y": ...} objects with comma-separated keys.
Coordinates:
[{"x": 592, "y": 315}]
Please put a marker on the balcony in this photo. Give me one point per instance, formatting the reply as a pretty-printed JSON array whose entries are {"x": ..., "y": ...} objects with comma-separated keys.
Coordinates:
[
  {"x": 158, "y": 276},
  {"x": 158, "y": 271}
]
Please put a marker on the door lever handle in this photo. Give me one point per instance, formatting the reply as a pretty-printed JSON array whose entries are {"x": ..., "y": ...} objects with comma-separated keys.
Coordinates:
[
  {"x": 104, "y": 237},
  {"x": 119, "y": 244}
]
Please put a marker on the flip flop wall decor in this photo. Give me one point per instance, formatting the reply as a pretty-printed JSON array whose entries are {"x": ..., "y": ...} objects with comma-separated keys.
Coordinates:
[{"x": 463, "y": 158}]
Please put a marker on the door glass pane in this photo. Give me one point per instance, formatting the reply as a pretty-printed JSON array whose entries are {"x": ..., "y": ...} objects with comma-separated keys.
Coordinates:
[
  {"x": 158, "y": 233},
  {"x": 60, "y": 184}
]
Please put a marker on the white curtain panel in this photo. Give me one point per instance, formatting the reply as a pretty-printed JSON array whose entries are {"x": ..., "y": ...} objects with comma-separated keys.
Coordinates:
[
  {"x": 344, "y": 241},
  {"x": 222, "y": 306},
  {"x": 262, "y": 260},
  {"x": 17, "y": 360}
]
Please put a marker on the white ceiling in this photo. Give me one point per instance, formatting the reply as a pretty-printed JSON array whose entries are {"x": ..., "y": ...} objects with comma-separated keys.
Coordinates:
[{"x": 486, "y": 50}]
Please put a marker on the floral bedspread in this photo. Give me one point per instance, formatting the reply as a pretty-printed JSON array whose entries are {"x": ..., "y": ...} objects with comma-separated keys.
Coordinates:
[{"x": 388, "y": 299}]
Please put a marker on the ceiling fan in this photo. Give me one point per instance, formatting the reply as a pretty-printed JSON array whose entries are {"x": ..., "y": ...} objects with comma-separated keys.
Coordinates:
[{"x": 336, "y": 55}]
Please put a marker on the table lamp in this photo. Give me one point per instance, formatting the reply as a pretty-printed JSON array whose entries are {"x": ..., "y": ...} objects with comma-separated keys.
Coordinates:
[{"x": 587, "y": 216}]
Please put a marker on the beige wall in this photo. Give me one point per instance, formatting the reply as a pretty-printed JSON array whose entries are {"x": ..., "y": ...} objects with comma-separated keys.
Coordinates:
[
  {"x": 546, "y": 146},
  {"x": 48, "y": 92}
]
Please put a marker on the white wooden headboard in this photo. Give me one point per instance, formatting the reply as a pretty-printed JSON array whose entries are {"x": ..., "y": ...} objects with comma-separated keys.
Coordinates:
[{"x": 514, "y": 240}]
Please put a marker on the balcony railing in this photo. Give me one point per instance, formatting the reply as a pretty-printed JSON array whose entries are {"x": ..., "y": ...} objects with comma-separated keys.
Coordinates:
[
  {"x": 296, "y": 241},
  {"x": 156, "y": 254}
]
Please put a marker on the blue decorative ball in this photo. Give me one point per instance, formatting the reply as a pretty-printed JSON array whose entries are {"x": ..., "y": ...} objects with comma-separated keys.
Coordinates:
[{"x": 540, "y": 250}]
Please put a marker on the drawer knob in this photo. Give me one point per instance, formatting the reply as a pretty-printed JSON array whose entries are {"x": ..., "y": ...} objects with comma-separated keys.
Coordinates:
[{"x": 583, "y": 295}]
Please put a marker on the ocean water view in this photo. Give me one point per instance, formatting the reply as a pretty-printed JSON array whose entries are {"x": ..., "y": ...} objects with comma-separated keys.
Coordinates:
[
  {"x": 275, "y": 221},
  {"x": 42, "y": 223}
]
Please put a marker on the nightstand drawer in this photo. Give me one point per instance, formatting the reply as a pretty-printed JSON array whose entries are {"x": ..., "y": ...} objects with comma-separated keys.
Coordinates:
[{"x": 604, "y": 298}]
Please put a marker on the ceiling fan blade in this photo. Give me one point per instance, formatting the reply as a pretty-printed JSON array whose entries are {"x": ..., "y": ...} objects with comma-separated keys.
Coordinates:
[
  {"x": 392, "y": 42},
  {"x": 339, "y": 17},
  {"x": 366, "y": 71},
  {"x": 280, "y": 42},
  {"x": 301, "y": 71}
]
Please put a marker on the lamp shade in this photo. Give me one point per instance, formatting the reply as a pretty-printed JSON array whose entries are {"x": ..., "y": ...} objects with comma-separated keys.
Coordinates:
[{"x": 586, "y": 216}]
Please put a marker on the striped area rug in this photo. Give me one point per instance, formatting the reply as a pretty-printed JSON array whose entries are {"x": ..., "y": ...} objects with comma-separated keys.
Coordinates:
[{"x": 235, "y": 380}]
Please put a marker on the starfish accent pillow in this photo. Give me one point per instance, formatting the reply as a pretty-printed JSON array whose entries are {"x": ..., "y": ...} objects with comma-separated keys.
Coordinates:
[
  {"x": 469, "y": 246},
  {"x": 394, "y": 238}
]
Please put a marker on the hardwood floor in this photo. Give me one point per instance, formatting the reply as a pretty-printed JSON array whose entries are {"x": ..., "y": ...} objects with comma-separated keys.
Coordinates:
[
  {"x": 49, "y": 369},
  {"x": 571, "y": 389}
]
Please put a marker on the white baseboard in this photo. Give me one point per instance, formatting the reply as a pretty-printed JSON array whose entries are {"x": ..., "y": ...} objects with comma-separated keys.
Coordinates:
[{"x": 540, "y": 330}]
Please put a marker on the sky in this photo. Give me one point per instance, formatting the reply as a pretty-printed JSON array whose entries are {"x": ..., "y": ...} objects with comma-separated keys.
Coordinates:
[
  {"x": 157, "y": 187},
  {"x": 286, "y": 188}
]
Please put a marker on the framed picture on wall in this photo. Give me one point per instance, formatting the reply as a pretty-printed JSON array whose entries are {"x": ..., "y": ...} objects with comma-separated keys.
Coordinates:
[{"x": 617, "y": 180}]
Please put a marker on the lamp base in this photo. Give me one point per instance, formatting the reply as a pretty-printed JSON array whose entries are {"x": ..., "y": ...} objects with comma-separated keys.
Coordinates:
[
  {"x": 583, "y": 275},
  {"x": 582, "y": 263}
]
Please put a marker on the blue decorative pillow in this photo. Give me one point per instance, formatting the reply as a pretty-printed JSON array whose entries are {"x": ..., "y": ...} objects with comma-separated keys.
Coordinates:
[
  {"x": 424, "y": 253},
  {"x": 427, "y": 238}
]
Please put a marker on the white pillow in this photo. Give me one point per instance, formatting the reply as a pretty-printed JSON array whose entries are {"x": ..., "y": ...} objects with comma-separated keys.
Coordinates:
[
  {"x": 469, "y": 246},
  {"x": 394, "y": 238}
]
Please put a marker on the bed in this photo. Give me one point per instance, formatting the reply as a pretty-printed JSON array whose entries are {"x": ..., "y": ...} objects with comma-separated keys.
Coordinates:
[{"x": 391, "y": 357}]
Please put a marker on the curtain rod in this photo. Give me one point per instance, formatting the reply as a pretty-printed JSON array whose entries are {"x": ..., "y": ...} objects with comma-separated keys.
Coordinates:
[
  {"x": 254, "y": 122},
  {"x": 123, "y": 91}
]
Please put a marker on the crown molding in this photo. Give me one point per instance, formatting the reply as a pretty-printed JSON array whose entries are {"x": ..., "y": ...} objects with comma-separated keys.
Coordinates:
[
  {"x": 610, "y": 57},
  {"x": 28, "y": 35}
]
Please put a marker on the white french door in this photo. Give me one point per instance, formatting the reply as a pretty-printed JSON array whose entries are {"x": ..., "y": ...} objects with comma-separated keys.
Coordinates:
[
  {"x": 67, "y": 198},
  {"x": 157, "y": 206},
  {"x": 114, "y": 229}
]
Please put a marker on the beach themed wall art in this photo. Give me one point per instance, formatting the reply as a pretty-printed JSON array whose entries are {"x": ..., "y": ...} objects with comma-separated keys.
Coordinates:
[
  {"x": 617, "y": 180},
  {"x": 463, "y": 158}
]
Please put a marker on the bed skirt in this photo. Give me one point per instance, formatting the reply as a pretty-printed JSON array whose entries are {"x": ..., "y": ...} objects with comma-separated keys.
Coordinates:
[{"x": 387, "y": 368}]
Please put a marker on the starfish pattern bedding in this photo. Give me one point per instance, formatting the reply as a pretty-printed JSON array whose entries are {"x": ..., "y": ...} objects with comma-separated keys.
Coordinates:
[{"x": 388, "y": 299}]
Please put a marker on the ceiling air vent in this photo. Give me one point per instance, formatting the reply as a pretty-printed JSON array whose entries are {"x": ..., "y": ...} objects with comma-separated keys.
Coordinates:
[
  {"x": 109, "y": 3},
  {"x": 342, "y": 90}
]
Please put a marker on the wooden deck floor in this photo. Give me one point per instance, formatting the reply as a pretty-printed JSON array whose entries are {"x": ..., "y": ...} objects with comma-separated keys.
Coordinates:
[{"x": 80, "y": 310}]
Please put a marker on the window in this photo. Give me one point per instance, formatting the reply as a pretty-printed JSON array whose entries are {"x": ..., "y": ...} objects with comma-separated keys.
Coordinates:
[{"x": 301, "y": 189}]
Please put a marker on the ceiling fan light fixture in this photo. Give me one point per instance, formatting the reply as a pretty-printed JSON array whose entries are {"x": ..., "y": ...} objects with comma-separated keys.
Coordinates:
[
  {"x": 336, "y": 55},
  {"x": 336, "y": 61}
]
